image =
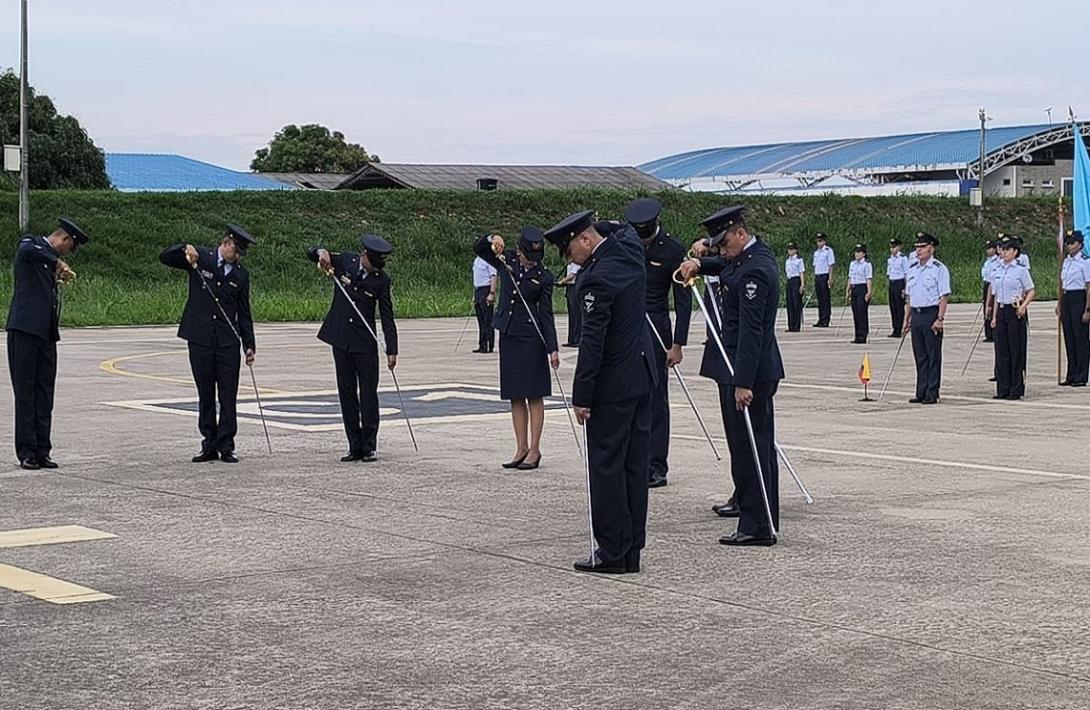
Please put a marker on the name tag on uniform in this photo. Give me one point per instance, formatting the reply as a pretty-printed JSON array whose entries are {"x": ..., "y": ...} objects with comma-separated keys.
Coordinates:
[
  {"x": 233, "y": 284},
  {"x": 654, "y": 263},
  {"x": 207, "y": 274},
  {"x": 535, "y": 281},
  {"x": 346, "y": 279}
]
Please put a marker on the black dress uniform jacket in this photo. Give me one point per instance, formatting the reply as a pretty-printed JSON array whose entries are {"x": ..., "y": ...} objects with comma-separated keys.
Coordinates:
[
  {"x": 536, "y": 284},
  {"x": 748, "y": 297},
  {"x": 664, "y": 255},
  {"x": 341, "y": 327},
  {"x": 35, "y": 307},
  {"x": 202, "y": 323},
  {"x": 616, "y": 360}
]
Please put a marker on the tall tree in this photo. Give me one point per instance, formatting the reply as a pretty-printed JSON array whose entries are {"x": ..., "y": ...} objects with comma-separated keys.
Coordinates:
[
  {"x": 61, "y": 153},
  {"x": 310, "y": 149}
]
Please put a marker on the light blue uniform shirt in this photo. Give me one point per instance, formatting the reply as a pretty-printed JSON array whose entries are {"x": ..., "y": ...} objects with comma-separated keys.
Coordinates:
[
  {"x": 1076, "y": 273},
  {"x": 1010, "y": 282},
  {"x": 859, "y": 271},
  {"x": 896, "y": 267},
  {"x": 927, "y": 283},
  {"x": 823, "y": 260},
  {"x": 794, "y": 266}
]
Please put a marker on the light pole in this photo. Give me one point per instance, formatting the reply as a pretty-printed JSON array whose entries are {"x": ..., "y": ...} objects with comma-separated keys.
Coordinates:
[{"x": 24, "y": 165}]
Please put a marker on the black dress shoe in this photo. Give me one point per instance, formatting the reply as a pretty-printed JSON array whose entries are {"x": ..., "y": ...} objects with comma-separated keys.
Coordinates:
[
  {"x": 30, "y": 463},
  {"x": 989, "y": 340},
  {"x": 46, "y": 462},
  {"x": 1078, "y": 384},
  {"x": 928, "y": 400},
  {"x": 894, "y": 334},
  {"x": 1065, "y": 383},
  {"x": 742, "y": 540},
  {"x": 228, "y": 457},
  {"x": 657, "y": 480},
  {"x": 915, "y": 400},
  {"x": 529, "y": 466},
  {"x": 729, "y": 509},
  {"x": 480, "y": 350},
  {"x": 352, "y": 456},
  {"x": 1014, "y": 397},
  {"x": 204, "y": 456},
  {"x": 515, "y": 463},
  {"x": 999, "y": 396},
  {"x": 601, "y": 566},
  {"x": 859, "y": 342},
  {"x": 991, "y": 379},
  {"x": 368, "y": 457},
  {"x": 632, "y": 562}
]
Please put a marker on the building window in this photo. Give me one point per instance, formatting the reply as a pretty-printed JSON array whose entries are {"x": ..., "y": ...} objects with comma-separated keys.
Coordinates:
[
  {"x": 1048, "y": 183},
  {"x": 1027, "y": 183},
  {"x": 1068, "y": 185},
  {"x": 1006, "y": 182}
]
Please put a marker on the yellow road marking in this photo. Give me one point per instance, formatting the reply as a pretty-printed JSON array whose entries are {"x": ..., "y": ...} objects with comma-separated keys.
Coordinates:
[
  {"x": 50, "y": 536},
  {"x": 111, "y": 366},
  {"x": 49, "y": 589}
]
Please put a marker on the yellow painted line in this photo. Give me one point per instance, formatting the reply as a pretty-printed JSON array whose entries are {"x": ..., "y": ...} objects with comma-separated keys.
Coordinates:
[
  {"x": 111, "y": 366},
  {"x": 46, "y": 588},
  {"x": 50, "y": 536}
]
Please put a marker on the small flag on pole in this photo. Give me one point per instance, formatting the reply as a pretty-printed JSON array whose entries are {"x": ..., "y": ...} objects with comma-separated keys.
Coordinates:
[{"x": 864, "y": 376}]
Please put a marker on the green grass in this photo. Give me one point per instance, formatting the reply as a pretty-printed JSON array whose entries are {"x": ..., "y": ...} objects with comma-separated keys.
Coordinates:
[{"x": 121, "y": 280}]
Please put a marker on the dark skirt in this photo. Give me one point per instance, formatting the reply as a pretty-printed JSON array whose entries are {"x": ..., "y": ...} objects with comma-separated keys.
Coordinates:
[{"x": 524, "y": 369}]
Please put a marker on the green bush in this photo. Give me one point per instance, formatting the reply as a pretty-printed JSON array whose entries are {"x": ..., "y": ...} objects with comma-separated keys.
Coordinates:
[{"x": 122, "y": 282}]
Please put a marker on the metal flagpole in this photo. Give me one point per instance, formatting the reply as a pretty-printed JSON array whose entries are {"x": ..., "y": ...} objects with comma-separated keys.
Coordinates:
[
  {"x": 231, "y": 325},
  {"x": 688, "y": 395},
  {"x": 401, "y": 399},
  {"x": 745, "y": 409}
]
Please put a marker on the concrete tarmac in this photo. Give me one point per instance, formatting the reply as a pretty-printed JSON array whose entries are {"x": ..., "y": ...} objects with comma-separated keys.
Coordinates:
[{"x": 943, "y": 564}]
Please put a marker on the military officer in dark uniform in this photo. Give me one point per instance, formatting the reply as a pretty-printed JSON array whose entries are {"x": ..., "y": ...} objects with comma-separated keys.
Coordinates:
[
  {"x": 927, "y": 292},
  {"x": 524, "y": 357},
  {"x": 614, "y": 379},
  {"x": 219, "y": 288},
  {"x": 33, "y": 331},
  {"x": 749, "y": 275},
  {"x": 662, "y": 255},
  {"x": 354, "y": 344}
]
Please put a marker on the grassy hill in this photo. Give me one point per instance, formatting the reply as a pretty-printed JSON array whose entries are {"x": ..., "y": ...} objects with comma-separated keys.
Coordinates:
[{"x": 121, "y": 280}]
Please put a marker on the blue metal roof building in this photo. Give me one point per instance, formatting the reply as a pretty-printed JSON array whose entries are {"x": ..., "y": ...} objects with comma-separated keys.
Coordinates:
[
  {"x": 938, "y": 156},
  {"x": 150, "y": 172}
]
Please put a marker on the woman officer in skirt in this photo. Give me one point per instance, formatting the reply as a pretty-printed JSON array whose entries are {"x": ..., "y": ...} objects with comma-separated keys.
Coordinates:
[{"x": 525, "y": 353}]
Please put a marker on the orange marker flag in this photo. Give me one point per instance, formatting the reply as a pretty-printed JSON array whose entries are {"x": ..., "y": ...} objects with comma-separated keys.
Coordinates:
[{"x": 864, "y": 369}]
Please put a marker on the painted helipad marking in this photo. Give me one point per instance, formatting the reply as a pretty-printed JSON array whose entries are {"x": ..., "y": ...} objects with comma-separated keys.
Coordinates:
[
  {"x": 911, "y": 459},
  {"x": 42, "y": 586},
  {"x": 320, "y": 410},
  {"x": 111, "y": 366},
  {"x": 50, "y": 536}
]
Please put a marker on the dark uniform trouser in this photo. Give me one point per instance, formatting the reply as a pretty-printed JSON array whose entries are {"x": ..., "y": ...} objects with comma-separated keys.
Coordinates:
[
  {"x": 927, "y": 350},
  {"x": 794, "y": 303},
  {"x": 660, "y": 417},
  {"x": 860, "y": 311},
  {"x": 1010, "y": 353},
  {"x": 825, "y": 304},
  {"x": 897, "y": 305},
  {"x": 357, "y": 388},
  {"x": 216, "y": 371},
  {"x": 618, "y": 436},
  {"x": 1076, "y": 335},
  {"x": 33, "y": 365},
  {"x": 486, "y": 336},
  {"x": 988, "y": 334},
  {"x": 747, "y": 490},
  {"x": 575, "y": 315}
]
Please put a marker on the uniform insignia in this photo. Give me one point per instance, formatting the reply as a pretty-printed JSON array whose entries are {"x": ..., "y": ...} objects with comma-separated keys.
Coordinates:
[
  {"x": 207, "y": 274},
  {"x": 233, "y": 284},
  {"x": 535, "y": 281},
  {"x": 751, "y": 290},
  {"x": 588, "y": 302},
  {"x": 654, "y": 263},
  {"x": 346, "y": 279}
]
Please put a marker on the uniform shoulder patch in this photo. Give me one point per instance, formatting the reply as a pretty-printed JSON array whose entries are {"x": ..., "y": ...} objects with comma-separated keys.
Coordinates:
[{"x": 750, "y": 289}]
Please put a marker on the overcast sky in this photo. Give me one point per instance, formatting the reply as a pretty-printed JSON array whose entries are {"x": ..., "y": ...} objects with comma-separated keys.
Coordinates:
[{"x": 561, "y": 81}]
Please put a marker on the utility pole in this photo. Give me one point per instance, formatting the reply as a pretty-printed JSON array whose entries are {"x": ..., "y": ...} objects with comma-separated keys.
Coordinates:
[
  {"x": 24, "y": 164},
  {"x": 980, "y": 173}
]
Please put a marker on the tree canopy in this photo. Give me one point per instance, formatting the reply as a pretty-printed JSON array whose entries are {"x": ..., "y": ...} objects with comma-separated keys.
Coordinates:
[
  {"x": 61, "y": 153},
  {"x": 310, "y": 149}
]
